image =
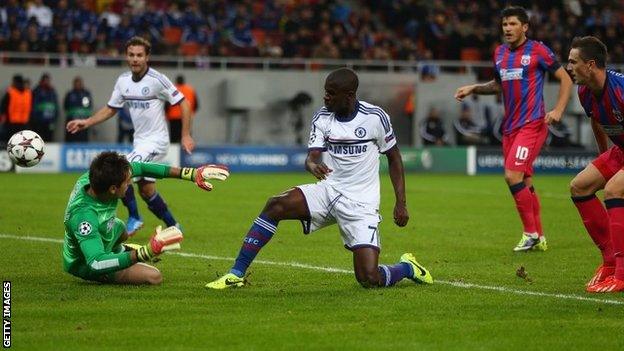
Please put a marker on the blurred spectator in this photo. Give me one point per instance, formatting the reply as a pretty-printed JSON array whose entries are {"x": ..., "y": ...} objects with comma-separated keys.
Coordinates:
[
  {"x": 467, "y": 131},
  {"x": 483, "y": 113},
  {"x": 559, "y": 135},
  {"x": 112, "y": 19},
  {"x": 45, "y": 108},
  {"x": 432, "y": 129},
  {"x": 173, "y": 16},
  {"x": 429, "y": 70},
  {"x": 78, "y": 104},
  {"x": 360, "y": 29},
  {"x": 326, "y": 49},
  {"x": 35, "y": 43},
  {"x": 243, "y": 42},
  {"x": 15, "y": 107},
  {"x": 41, "y": 12},
  {"x": 174, "y": 113},
  {"x": 83, "y": 58}
]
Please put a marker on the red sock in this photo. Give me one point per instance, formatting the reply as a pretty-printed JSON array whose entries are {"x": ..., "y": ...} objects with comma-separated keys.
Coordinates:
[
  {"x": 596, "y": 221},
  {"x": 536, "y": 212},
  {"x": 524, "y": 205},
  {"x": 615, "y": 208}
]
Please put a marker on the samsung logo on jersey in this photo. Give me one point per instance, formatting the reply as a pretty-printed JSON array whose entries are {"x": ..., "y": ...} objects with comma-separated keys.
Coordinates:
[
  {"x": 138, "y": 104},
  {"x": 510, "y": 74},
  {"x": 347, "y": 149}
]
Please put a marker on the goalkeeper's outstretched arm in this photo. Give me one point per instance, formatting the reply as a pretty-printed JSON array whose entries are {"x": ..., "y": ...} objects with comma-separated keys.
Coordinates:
[{"x": 201, "y": 176}]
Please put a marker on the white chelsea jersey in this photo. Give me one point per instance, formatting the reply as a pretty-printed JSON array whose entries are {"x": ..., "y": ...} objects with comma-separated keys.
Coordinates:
[
  {"x": 351, "y": 148},
  {"x": 146, "y": 102}
]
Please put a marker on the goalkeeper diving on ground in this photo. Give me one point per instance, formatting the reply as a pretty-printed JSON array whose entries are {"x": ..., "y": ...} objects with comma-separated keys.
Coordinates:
[{"x": 94, "y": 246}]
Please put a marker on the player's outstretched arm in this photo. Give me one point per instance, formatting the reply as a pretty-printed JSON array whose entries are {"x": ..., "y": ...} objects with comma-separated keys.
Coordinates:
[
  {"x": 201, "y": 176},
  {"x": 565, "y": 85},
  {"x": 397, "y": 176},
  {"x": 490, "y": 88},
  {"x": 601, "y": 137},
  {"x": 315, "y": 165},
  {"x": 100, "y": 116}
]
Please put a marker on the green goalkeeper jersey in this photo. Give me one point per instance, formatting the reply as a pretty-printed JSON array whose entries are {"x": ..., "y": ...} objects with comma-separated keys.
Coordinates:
[{"x": 92, "y": 230}]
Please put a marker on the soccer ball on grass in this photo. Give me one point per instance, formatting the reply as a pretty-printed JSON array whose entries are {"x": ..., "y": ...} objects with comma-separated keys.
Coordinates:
[{"x": 25, "y": 148}]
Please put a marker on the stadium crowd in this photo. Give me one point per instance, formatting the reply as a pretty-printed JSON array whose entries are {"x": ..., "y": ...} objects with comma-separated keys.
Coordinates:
[{"x": 340, "y": 29}]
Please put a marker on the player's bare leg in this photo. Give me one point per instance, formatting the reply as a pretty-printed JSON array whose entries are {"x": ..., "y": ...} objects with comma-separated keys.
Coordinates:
[
  {"x": 288, "y": 205},
  {"x": 366, "y": 267},
  {"x": 583, "y": 189},
  {"x": 370, "y": 274},
  {"x": 139, "y": 274},
  {"x": 614, "y": 201},
  {"x": 155, "y": 202}
]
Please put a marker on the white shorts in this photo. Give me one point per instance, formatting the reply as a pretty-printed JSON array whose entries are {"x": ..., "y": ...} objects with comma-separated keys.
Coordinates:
[
  {"x": 358, "y": 222},
  {"x": 146, "y": 153}
]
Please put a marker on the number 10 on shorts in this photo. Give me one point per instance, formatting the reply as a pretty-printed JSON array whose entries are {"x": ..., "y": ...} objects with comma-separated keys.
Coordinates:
[{"x": 522, "y": 153}]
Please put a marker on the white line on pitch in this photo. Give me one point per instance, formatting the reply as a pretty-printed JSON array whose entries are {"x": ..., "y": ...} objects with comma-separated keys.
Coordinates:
[{"x": 340, "y": 270}]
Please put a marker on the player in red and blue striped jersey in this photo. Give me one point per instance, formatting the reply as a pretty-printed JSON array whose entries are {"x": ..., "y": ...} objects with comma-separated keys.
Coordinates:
[
  {"x": 601, "y": 93},
  {"x": 520, "y": 69}
]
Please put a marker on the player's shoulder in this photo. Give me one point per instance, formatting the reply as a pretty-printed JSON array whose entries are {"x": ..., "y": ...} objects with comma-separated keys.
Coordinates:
[
  {"x": 375, "y": 114},
  {"x": 539, "y": 45},
  {"x": 158, "y": 78},
  {"x": 124, "y": 77},
  {"x": 616, "y": 77},
  {"x": 367, "y": 106},
  {"x": 81, "y": 211},
  {"x": 371, "y": 109},
  {"x": 321, "y": 114}
]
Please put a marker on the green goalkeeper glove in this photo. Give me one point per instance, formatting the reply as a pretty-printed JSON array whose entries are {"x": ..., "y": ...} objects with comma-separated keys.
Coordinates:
[
  {"x": 164, "y": 240},
  {"x": 202, "y": 174}
]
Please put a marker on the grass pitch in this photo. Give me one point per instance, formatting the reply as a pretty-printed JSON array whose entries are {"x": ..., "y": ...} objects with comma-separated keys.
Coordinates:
[{"x": 461, "y": 228}]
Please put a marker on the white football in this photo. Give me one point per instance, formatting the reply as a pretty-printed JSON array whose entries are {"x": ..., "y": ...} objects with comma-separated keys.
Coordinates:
[{"x": 25, "y": 148}]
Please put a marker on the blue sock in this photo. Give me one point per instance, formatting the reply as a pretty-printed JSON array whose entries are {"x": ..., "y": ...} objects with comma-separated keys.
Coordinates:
[
  {"x": 258, "y": 235},
  {"x": 157, "y": 205},
  {"x": 391, "y": 275},
  {"x": 130, "y": 202}
]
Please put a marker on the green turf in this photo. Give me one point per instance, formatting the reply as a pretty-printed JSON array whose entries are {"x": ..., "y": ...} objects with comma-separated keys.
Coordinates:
[{"x": 461, "y": 228}]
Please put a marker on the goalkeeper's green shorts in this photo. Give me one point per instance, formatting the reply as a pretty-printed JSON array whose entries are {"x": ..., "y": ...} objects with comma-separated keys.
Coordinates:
[{"x": 83, "y": 271}]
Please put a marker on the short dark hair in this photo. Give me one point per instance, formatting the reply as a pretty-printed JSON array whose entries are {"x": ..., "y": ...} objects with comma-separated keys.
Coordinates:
[
  {"x": 107, "y": 169},
  {"x": 180, "y": 79},
  {"x": 345, "y": 78},
  {"x": 516, "y": 11},
  {"x": 18, "y": 79},
  {"x": 591, "y": 48},
  {"x": 139, "y": 41}
]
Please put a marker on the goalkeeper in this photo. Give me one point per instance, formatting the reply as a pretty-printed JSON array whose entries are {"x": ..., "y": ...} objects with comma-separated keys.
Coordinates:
[{"x": 93, "y": 247}]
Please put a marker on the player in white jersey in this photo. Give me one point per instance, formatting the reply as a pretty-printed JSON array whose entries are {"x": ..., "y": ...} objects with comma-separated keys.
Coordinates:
[
  {"x": 145, "y": 91},
  {"x": 346, "y": 139}
]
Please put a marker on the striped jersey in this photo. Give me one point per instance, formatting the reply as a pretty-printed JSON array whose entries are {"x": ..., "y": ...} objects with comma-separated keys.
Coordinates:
[
  {"x": 351, "y": 148},
  {"x": 521, "y": 72},
  {"x": 607, "y": 109},
  {"x": 146, "y": 102}
]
